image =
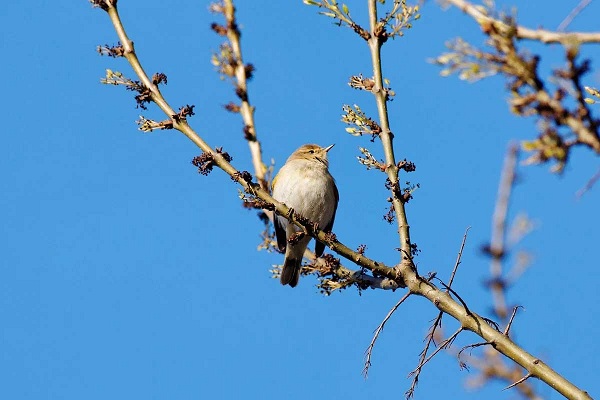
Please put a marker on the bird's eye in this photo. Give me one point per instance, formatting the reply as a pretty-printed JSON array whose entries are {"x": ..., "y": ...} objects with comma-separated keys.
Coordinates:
[{"x": 311, "y": 151}]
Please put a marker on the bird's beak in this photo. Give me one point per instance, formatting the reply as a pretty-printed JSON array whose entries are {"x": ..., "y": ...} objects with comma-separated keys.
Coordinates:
[{"x": 328, "y": 148}]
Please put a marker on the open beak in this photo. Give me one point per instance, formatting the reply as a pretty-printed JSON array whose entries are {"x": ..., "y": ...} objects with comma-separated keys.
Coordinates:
[{"x": 328, "y": 148}]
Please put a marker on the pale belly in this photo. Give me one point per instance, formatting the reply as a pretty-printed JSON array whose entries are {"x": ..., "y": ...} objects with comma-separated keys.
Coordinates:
[{"x": 312, "y": 197}]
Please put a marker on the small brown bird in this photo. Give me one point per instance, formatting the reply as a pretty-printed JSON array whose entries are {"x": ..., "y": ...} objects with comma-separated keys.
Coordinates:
[{"x": 304, "y": 184}]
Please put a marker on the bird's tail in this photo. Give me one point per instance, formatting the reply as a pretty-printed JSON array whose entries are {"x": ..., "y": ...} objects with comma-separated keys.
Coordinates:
[{"x": 290, "y": 273}]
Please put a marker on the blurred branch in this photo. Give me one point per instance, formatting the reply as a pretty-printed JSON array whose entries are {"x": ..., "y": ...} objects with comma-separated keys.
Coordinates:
[
  {"x": 590, "y": 184},
  {"x": 564, "y": 117},
  {"x": 482, "y": 18},
  {"x": 491, "y": 366},
  {"x": 496, "y": 249},
  {"x": 574, "y": 13}
]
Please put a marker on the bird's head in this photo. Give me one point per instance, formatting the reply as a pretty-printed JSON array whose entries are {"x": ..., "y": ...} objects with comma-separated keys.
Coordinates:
[{"x": 311, "y": 152}]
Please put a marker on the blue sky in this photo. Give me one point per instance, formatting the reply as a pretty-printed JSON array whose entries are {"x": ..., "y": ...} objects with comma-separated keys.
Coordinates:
[{"x": 125, "y": 274}]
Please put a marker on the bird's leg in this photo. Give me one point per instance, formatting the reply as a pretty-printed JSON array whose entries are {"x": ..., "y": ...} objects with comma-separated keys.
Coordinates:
[
  {"x": 315, "y": 227},
  {"x": 305, "y": 222},
  {"x": 296, "y": 237},
  {"x": 290, "y": 214},
  {"x": 251, "y": 188}
]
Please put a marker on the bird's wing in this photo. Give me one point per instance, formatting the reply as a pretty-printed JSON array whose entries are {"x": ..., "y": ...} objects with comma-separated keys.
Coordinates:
[
  {"x": 320, "y": 247},
  {"x": 280, "y": 234}
]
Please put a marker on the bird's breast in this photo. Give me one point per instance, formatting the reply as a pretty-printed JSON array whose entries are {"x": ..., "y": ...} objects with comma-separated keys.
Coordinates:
[{"x": 309, "y": 191}]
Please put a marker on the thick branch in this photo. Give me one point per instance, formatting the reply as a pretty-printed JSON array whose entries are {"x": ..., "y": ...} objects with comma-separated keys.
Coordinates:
[{"x": 476, "y": 324}]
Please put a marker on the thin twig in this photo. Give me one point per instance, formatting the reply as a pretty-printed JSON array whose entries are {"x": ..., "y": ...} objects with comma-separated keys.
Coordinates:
[
  {"x": 492, "y": 368},
  {"x": 448, "y": 288},
  {"x": 443, "y": 345},
  {"x": 438, "y": 320},
  {"x": 430, "y": 339},
  {"x": 458, "y": 257},
  {"x": 416, "y": 372},
  {"x": 523, "y": 379},
  {"x": 590, "y": 184},
  {"x": 491, "y": 323},
  {"x": 512, "y": 317},
  {"x": 369, "y": 350},
  {"x": 569, "y": 18},
  {"x": 472, "y": 346}
]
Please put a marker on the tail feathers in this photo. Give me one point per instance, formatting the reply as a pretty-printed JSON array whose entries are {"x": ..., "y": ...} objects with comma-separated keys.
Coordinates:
[{"x": 290, "y": 273}]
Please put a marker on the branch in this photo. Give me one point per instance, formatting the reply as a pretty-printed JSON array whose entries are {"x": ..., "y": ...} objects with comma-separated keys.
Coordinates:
[
  {"x": 510, "y": 321},
  {"x": 496, "y": 249},
  {"x": 334, "y": 276},
  {"x": 475, "y": 323},
  {"x": 378, "y": 331},
  {"x": 590, "y": 184},
  {"x": 243, "y": 72},
  {"x": 523, "y": 379},
  {"x": 491, "y": 366},
  {"x": 531, "y": 94},
  {"x": 541, "y": 35},
  {"x": 438, "y": 320},
  {"x": 416, "y": 372},
  {"x": 574, "y": 13},
  {"x": 402, "y": 274},
  {"x": 376, "y": 40},
  {"x": 458, "y": 257}
]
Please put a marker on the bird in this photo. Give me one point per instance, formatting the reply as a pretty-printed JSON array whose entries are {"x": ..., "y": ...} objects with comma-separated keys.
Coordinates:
[{"x": 305, "y": 185}]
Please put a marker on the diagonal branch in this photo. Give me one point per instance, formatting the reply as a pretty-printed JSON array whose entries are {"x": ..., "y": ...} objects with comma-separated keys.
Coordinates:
[
  {"x": 510, "y": 321},
  {"x": 523, "y": 379},
  {"x": 590, "y": 184},
  {"x": 574, "y": 13},
  {"x": 443, "y": 345},
  {"x": 417, "y": 371},
  {"x": 458, "y": 257}
]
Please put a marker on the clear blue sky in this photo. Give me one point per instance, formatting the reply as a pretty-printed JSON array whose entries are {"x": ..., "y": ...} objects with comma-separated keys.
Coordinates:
[{"x": 126, "y": 275}]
